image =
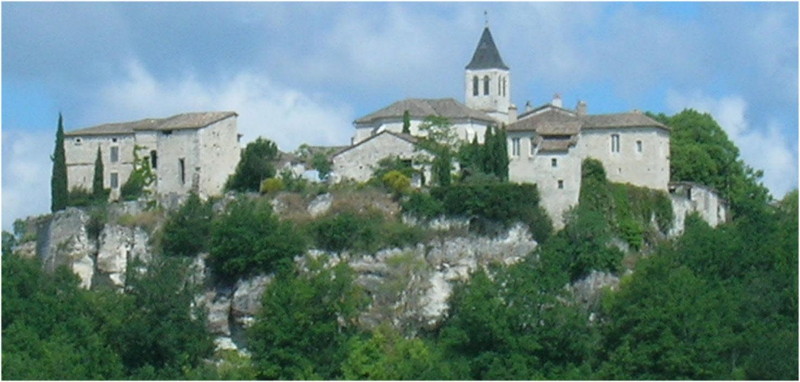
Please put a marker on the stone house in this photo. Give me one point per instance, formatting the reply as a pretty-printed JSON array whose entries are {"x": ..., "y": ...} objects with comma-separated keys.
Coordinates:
[
  {"x": 358, "y": 162},
  {"x": 187, "y": 152}
]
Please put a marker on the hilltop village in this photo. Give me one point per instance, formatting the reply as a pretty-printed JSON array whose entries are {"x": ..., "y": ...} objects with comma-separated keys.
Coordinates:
[{"x": 546, "y": 144}]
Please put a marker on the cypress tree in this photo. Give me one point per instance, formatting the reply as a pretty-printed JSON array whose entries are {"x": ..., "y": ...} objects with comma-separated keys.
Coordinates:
[
  {"x": 487, "y": 156},
  {"x": 406, "y": 122},
  {"x": 97, "y": 182},
  {"x": 501, "y": 152},
  {"x": 58, "y": 183}
]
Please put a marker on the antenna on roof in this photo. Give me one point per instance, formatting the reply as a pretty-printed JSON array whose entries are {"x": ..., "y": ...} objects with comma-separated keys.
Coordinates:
[{"x": 486, "y": 18}]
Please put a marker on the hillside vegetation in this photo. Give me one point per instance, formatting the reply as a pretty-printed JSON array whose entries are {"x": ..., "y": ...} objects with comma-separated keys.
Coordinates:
[{"x": 713, "y": 303}]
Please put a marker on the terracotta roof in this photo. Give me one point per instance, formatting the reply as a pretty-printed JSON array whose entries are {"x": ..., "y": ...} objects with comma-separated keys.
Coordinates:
[
  {"x": 176, "y": 122},
  {"x": 555, "y": 144},
  {"x": 421, "y": 108},
  {"x": 486, "y": 55}
]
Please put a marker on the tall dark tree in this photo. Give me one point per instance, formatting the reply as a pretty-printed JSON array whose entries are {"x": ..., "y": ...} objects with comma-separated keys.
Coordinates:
[
  {"x": 97, "y": 182},
  {"x": 406, "y": 122},
  {"x": 59, "y": 196},
  {"x": 257, "y": 164},
  {"x": 501, "y": 153}
]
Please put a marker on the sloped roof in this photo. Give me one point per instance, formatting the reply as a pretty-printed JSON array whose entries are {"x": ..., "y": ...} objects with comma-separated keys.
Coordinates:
[
  {"x": 630, "y": 119},
  {"x": 406, "y": 137},
  {"x": 420, "y": 108},
  {"x": 549, "y": 122},
  {"x": 176, "y": 122},
  {"x": 555, "y": 144},
  {"x": 486, "y": 55}
]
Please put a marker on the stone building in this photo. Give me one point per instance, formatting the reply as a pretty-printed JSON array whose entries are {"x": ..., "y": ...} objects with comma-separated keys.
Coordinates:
[
  {"x": 358, "y": 162},
  {"x": 187, "y": 152}
]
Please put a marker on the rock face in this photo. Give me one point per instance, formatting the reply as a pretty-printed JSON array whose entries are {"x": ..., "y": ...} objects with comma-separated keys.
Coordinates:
[
  {"x": 247, "y": 299},
  {"x": 63, "y": 240},
  {"x": 588, "y": 290},
  {"x": 410, "y": 286},
  {"x": 119, "y": 245},
  {"x": 320, "y": 205}
]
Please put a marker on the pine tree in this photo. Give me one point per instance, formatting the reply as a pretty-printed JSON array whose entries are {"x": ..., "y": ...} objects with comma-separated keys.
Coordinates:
[
  {"x": 406, "y": 122},
  {"x": 58, "y": 183}
]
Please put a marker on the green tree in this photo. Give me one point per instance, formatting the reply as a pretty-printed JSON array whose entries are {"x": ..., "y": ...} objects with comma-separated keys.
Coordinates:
[
  {"x": 59, "y": 195},
  {"x": 248, "y": 238},
  {"x": 322, "y": 164},
  {"x": 99, "y": 193},
  {"x": 257, "y": 163},
  {"x": 140, "y": 178},
  {"x": 406, "y": 122},
  {"x": 187, "y": 230},
  {"x": 306, "y": 320},
  {"x": 387, "y": 355}
]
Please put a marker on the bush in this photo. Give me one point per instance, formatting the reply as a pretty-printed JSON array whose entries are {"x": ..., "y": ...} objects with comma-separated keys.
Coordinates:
[
  {"x": 256, "y": 164},
  {"x": 490, "y": 205},
  {"x": 187, "y": 230},
  {"x": 363, "y": 232},
  {"x": 396, "y": 182},
  {"x": 248, "y": 238},
  {"x": 271, "y": 185},
  {"x": 422, "y": 205}
]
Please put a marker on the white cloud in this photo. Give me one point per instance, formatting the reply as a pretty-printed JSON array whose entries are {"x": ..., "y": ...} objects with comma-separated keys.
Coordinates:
[
  {"x": 26, "y": 174},
  {"x": 287, "y": 116},
  {"x": 766, "y": 149}
]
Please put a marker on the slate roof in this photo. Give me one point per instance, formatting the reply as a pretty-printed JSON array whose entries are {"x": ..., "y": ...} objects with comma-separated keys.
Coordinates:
[
  {"x": 486, "y": 55},
  {"x": 630, "y": 119},
  {"x": 176, "y": 122},
  {"x": 421, "y": 108}
]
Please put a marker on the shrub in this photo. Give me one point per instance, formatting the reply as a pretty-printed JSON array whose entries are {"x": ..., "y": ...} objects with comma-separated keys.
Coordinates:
[
  {"x": 490, "y": 205},
  {"x": 256, "y": 164},
  {"x": 80, "y": 197},
  {"x": 248, "y": 238},
  {"x": 396, "y": 181},
  {"x": 363, "y": 232},
  {"x": 187, "y": 230},
  {"x": 422, "y": 206},
  {"x": 271, "y": 185}
]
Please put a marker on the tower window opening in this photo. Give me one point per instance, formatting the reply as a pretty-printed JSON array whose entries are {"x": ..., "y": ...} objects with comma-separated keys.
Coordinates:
[
  {"x": 504, "y": 86},
  {"x": 486, "y": 85},
  {"x": 475, "y": 85}
]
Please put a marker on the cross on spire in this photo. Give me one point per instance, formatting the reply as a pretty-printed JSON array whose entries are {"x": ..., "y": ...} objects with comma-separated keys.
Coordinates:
[{"x": 486, "y": 18}]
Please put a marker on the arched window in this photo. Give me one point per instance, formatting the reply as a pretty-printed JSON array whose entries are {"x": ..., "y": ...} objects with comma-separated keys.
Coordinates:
[
  {"x": 504, "y": 86},
  {"x": 486, "y": 85},
  {"x": 475, "y": 85}
]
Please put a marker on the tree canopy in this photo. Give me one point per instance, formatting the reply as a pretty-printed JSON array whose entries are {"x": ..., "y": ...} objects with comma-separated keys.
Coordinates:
[{"x": 256, "y": 164}]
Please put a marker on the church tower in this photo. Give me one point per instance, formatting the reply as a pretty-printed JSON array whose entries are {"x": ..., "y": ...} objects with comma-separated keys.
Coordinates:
[{"x": 488, "y": 80}]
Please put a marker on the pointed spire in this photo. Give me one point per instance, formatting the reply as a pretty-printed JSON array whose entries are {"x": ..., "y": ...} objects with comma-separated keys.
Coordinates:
[{"x": 486, "y": 55}]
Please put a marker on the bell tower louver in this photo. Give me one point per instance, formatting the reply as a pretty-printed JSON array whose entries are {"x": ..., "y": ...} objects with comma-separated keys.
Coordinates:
[{"x": 488, "y": 80}]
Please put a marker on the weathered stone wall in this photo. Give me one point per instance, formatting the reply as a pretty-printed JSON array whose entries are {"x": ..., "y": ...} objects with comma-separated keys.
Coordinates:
[
  {"x": 648, "y": 168},
  {"x": 359, "y": 162},
  {"x": 689, "y": 197},
  {"x": 466, "y": 130},
  {"x": 220, "y": 151},
  {"x": 81, "y": 153}
]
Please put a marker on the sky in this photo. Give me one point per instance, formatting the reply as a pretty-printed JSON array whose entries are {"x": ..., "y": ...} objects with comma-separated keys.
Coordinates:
[{"x": 302, "y": 72}]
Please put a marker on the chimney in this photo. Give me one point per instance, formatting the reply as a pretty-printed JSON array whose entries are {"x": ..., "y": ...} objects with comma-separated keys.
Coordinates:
[
  {"x": 581, "y": 108},
  {"x": 528, "y": 106},
  {"x": 512, "y": 113},
  {"x": 556, "y": 100}
]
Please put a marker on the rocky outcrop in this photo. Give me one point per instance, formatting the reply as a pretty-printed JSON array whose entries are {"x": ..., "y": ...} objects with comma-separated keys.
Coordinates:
[
  {"x": 410, "y": 286},
  {"x": 118, "y": 246},
  {"x": 320, "y": 205},
  {"x": 63, "y": 240},
  {"x": 246, "y": 301},
  {"x": 588, "y": 290}
]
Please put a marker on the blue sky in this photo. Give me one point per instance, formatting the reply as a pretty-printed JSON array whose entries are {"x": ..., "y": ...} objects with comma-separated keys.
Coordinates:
[{"x": 302, "y": 72}]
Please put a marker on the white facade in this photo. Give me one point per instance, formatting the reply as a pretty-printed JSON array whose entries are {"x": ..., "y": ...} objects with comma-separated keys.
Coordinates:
[
  {"x": 188, "y": 152},
  {"x": 358, "y": 162},
  {"x": 638, "y": 155}
]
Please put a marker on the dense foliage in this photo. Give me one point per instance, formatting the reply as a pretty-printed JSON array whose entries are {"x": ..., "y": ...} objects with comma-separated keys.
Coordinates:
[
  {"x": 58, "y": 182},
  {"x": 248, "y": 238},
  {"x": 487, "y": 160},
  {"x": 255, "y": 165},
  {"x": 52, "y": 329},
  {"x": 187, "y": 230},
  {"x": 366, "y": 231},
  {"x": 140, "y": 178},
  {"x": 701, "y": 152}
]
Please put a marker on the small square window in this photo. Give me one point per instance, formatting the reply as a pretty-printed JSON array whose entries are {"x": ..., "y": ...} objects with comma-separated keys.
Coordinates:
[
  {"x": 639, "y": 146},
  {"x": 554, "y": 162},
  {"x": 560, "y": 184},
  {"x": 78, "y": 141},
  {"x": 114, "y": 140}
]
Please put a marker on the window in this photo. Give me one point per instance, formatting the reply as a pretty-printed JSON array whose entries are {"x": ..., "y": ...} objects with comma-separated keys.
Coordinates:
[
  {"x": 533, "y": 147},
  {"x": 77, "y": 141},
  {"x": 114, "y": 140},
  {"x": 114, "y": 180},
  {"x": 554, "y": 162},
  {"x": 153, "y": 159},
  {"x": 475, "y": 85},
  {"x": 615, "y": 143},
  {"x": 504, "y": 86},
  {"x": 515, "y": 147},
  {"x": 486, "y": 85},
  {"x": 114, "y": 154},
  {"x": 182, "y": 170},
  {"x": 638, "y": 146},
  {"x": 560, "y": 184}
]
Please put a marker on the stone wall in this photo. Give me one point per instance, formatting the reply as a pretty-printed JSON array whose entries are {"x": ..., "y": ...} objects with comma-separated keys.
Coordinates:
[
  {"x": 689, "y": 198},
  {"x": 81, "y": 153},
  {"x": 646, "y": 168},
  {"x": 358, "y": 162}
]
